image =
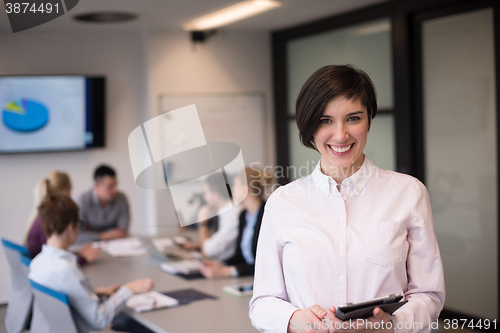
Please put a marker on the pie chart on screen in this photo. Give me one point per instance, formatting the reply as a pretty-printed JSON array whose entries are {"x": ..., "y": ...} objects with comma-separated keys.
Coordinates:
[{"x": 25, "y": 115}]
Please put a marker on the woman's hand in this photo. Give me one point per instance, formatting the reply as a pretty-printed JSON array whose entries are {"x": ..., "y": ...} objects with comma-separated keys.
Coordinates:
[
  {"x": 89, "y": 253},
  {"x": 383, "y": 318},
  {"x": 113, "y": 234},
  {"x": 335, "y": 325},
  {"x": 140, "y": 285},
  {"x": 107, "y": 291},
  {"x": 215, "y": 269},
  {"x": 308, "y": 320},
  {"x": 187, "y": 245}
]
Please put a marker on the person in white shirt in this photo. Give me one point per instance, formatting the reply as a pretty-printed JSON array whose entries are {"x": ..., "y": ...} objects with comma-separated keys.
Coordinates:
[
  {"x": 249, "y": 188},
  {"x": 349, "y": 231},
  {"x": 221, "y": 245},
  {"x": 57, "y": 268}
]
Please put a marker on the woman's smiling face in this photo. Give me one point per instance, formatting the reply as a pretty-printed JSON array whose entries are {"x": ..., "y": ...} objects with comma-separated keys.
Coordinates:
[{"x": 341, "y": 136}]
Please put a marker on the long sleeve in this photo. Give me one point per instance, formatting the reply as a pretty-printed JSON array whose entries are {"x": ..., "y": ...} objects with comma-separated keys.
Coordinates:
[
  {"x": 238, "y": 260},
  {"x": 57, "y": 269},
  {"x": 426, "y": 293},
  {"x": 85, "y": 236},
  {"x": 95, "y": 315},
  {"x": 36, "y": 238},
  {"x": 124, "y": 217},
  {"x": 241, "y": 266},
  {"x": 222, "y": 244},
  {"x": 270, "y": 310}
]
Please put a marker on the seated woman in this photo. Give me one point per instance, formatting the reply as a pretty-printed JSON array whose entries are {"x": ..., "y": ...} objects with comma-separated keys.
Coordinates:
[
  {"x": 242, "y": 263},
  {"x": 56, "y": 268},
  {"x": 54, "y": 183}
]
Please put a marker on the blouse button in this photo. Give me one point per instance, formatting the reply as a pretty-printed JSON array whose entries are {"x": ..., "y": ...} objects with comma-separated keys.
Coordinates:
[
  {"x": 341, "y": 247},
  {"x": 344, "y": 198},
  {"x": 341, "y": 279}
]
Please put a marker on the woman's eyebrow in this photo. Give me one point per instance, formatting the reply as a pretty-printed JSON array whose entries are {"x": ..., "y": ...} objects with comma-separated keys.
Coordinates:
[{"x": 354, "y": 113}]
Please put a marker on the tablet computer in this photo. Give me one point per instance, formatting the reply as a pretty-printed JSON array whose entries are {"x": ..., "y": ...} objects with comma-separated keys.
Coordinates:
[{"x": 364, "y": 309}]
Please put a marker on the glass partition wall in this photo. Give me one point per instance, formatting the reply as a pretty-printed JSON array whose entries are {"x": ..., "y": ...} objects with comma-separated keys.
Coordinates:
[
  {"x": 436, "y": 74},
  {"x": 366, "y": 46},
  {"x": 460, "y": 140}
]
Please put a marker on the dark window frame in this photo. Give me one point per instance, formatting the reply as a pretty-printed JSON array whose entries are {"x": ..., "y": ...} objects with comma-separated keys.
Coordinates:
[{"x": 406, "y": 17}]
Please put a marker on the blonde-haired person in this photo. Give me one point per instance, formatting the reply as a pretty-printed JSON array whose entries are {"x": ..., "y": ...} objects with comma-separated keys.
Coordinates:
[
  {"x": 242, "y": 263},
  {"x": 55, "y": 182}
]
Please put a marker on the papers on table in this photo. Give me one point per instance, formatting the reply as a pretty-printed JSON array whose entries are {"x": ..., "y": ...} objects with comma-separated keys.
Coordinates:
[
  {"x": 180, "y": 239},
  {"x": 150, "y": 301},
  {"x": 169, "y": 247},
  {"x": 161, "y": 244},
  {"x": 124, "y": 247},
  {"x": 183, "y": 266}
]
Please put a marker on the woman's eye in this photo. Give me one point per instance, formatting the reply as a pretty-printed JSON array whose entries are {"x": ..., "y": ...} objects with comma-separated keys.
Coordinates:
[
  {"x": 324, "y": 120},
  {"x": 354, "y": 118}
]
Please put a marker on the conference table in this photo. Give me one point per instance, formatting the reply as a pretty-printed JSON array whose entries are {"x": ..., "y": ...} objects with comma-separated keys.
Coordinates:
[{"x": 227, "y": 313}]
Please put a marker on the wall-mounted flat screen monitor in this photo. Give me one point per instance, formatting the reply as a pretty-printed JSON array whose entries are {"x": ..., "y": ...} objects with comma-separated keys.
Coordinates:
[{"x": 51, "y": 113}]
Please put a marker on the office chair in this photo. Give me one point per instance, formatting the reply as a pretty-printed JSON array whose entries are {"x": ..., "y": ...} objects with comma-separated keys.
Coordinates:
[
  {"x": 51, "y": 311},
  {"x": 21, "y": 298}
]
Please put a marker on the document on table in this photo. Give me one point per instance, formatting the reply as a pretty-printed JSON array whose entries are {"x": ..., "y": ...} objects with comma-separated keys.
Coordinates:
[
  {"x": 161, "y": 244},
  {"x": 150, "y": 301},
  {"x": 189, "y": 266},
  {"x": 124, "y": 247}
]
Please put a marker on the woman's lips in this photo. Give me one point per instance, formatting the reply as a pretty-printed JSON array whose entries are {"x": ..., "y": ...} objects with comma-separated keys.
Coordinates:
[{"x": 341, "y": 150}]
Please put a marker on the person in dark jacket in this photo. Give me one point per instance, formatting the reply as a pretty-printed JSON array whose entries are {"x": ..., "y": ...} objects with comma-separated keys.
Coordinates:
[{"x": 242, "y": 263}]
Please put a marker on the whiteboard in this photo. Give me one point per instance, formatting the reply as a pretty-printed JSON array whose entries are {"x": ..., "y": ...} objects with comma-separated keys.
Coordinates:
[{"x": 236, "y": 118}]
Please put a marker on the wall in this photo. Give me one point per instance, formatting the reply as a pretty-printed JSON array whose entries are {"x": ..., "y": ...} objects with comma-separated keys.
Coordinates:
[
  {"x": 226, "y": 63},
  {"x": 121, "y": 57},
  {"x": 139, "y": 67}
]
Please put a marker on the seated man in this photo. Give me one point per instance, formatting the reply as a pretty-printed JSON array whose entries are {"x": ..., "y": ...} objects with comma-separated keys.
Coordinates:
[
  {"x": 221, "y": 245},
  {"x": 56, "y": 268},
  {"x": 104, "y": 212}
]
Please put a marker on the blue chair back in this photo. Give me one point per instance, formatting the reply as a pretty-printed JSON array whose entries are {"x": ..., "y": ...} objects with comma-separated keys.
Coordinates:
[
  {"x": 51, "y": 312},
  {"x": 21, "y": 298}
]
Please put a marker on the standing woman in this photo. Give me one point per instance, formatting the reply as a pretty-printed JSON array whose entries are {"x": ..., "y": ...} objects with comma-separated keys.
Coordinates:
[
  {"x": 349, "y": 231},
  {"x": 242, "y": 263}
]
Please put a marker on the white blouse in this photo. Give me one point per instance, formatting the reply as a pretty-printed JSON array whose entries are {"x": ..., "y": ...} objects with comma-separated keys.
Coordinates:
[
  {"x": 373, "y": 238},
  {"x": 58, "y": 269},
  {"x": 222, "y": 244}
]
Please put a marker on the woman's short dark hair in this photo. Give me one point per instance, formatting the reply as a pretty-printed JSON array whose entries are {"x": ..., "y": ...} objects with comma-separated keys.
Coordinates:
[
  {"x": 326, "y": 83},
  {"x": 56, "y": 212}
]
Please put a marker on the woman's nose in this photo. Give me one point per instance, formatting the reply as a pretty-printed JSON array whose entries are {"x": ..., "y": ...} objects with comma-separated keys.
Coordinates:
[{"x": 340, "y": 133}]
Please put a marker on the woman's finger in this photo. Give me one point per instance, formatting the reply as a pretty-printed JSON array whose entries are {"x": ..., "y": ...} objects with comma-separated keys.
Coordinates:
[{"x": 318, "y": 311}]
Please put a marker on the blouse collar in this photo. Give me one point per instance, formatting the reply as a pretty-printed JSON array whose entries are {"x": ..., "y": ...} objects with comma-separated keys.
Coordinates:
[{"x": 358, "y": 179}]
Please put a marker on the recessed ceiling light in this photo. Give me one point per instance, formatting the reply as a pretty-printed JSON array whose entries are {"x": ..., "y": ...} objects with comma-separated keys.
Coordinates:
[
  {"x": 231, "y": 14},
  {"x": 105, "y": 17}
]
